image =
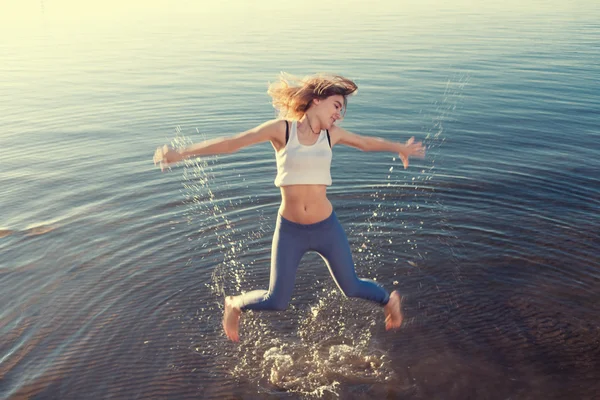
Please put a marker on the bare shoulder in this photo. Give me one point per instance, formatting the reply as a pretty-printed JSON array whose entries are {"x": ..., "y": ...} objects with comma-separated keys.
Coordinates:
[
  {"x": 275, "y": 131},
  {"x": 267, "y": 131},
  {"x": 273, "y": 124},
  {"x": 270, "y": 131},
  {"x": 271, "y": 127},
  {"x": 337, "y": 135}
]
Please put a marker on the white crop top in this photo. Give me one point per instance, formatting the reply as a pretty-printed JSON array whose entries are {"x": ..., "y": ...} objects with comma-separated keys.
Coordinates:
[{"x": 298, "y": 164}]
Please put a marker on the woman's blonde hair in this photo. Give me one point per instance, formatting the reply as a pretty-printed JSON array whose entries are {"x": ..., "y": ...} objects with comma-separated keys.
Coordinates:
[{"x": 293, "y": 96}]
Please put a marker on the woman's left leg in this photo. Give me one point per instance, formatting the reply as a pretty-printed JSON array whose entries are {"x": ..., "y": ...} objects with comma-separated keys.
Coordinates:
[{"x": 331, "y": 242}]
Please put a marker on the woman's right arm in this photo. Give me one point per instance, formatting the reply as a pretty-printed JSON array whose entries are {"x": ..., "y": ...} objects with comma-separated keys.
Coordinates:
[{"x": 268, "y": 131}]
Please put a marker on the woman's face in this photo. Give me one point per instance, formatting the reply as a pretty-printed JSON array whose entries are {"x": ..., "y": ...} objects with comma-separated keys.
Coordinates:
[{"x": 329, "y": 110}]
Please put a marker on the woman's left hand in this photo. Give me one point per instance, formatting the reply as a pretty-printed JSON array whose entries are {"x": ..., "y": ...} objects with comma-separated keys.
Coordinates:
[{"x": 411, "y": 149}]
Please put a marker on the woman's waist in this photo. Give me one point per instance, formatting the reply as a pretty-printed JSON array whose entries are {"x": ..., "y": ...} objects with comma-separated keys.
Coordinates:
[{"x": 305, "y": 204}]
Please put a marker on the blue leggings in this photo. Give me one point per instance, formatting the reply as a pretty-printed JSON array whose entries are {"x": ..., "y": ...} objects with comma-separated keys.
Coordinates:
[{"x": 290, "y": 241}]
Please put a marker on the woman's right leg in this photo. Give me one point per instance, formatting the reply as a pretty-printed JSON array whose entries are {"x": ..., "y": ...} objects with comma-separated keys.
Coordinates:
[
  {"x": 289, "y": 245},
  {"x": 287, "y": 249}
]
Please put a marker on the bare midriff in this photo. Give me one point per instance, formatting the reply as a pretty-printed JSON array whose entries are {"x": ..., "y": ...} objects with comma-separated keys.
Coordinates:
[{"x": 305, "y": 204}]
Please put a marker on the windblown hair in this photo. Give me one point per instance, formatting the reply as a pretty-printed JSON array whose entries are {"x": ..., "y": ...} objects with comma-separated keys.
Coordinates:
[{"x": 293, "y": 96}]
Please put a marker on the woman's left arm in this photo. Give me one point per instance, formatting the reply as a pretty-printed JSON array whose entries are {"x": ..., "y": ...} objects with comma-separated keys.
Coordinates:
[{"x": 367, "y": 143}]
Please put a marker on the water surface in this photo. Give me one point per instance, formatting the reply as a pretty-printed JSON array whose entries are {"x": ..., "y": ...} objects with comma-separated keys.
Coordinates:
[{"x": 112, "y": 274}]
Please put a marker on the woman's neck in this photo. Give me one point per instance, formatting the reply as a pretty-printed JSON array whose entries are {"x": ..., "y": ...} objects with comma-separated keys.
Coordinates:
[{"x": 309, "y": 124}]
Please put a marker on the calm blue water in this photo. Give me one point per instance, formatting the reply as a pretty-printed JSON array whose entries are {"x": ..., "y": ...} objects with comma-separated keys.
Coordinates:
[{"x": 112, "y": 274}]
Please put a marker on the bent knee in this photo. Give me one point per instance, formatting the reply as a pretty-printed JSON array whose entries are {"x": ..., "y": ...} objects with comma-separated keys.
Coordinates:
[{"x": 351, "y": 290}]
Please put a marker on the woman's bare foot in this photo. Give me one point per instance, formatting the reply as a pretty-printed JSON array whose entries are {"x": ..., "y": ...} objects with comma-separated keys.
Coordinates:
[
  {"x": 231, "y": 319},
  {"x": 393, "y": 311}
]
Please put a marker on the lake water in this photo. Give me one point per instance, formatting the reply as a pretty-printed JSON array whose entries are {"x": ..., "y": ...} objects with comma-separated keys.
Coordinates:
[{"x": 112, "y": 273}]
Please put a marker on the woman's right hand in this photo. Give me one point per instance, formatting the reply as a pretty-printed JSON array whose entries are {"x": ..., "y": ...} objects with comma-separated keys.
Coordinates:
[{"x": 164, "y": 156}]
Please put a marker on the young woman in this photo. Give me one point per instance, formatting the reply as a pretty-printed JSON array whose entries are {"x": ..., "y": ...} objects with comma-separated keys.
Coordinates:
[{"x": 303, "y": 138}]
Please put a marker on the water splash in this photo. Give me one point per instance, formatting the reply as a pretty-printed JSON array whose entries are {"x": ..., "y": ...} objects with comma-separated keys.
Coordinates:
[
  {"x": 406, "y": 195},
  {"x": 209, "y": 213},
  {"x": 446, "y": 109},
  {"x": 331, "y": 346}
]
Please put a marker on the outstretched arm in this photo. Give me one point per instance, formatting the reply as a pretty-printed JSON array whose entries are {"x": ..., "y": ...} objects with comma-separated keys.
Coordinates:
[
  {"x": 269, "y": 131},
  {"x": 367, "y": 143}
]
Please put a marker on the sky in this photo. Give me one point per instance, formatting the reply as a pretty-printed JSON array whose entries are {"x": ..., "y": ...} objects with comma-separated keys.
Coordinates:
[{"x": 19, "y": 13}]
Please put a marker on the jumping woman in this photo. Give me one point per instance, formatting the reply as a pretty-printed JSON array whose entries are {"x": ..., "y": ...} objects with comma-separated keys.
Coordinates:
[{"x": 303, "y": 138}]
